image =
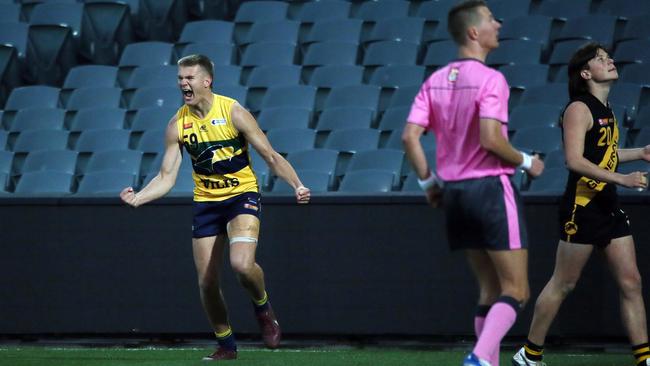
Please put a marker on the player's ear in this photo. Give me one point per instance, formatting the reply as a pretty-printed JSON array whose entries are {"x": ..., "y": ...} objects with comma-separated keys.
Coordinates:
[{"x": 586, "y": 74}]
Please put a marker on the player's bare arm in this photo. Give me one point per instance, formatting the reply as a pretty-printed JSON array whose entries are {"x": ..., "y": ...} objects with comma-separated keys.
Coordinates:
[
  {"x": 245, "y": 123},
  {"x": 639, "y": 153},
  {"x": 576, "y": 122},
  {"x": 166, "y": 177},
  {"x": 415, "y": 154},
  {"x": 492, "y": 140}
]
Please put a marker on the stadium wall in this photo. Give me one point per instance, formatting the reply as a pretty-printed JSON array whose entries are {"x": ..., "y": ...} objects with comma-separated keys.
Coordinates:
[{"x": 342, "y": 265}]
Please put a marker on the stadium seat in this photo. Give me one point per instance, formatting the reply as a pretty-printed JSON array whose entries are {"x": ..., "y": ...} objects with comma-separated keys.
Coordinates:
[
  {"x": 320, "y": 160},
  {"x": 335, "y": 30},
  {"x": 156, "y": 97},
  {"x": 284, "y": 31},
  {"x": 258, "y": 54},
  {"x": 407, "y": 29},
  {"x": 51, "y": 53},
  {"x": 637, "y": 27},
  {"x": 505, "y": 10},
  {"x": 273, "y": 75},
  {"x": 93, "y": 97},
  {"x": 218, "y": 53},
  {"x": 9, "y": 12},
  {"x": 38, "y": 118},
  {"x": 394, "y": 118},
  {"x": 316, "y": 181},
  {"x": 365, "y": 96},
  {"x": 261, "y": 169},
  {"x": 143, "y": 54},
  {"x": 562, "y": 51},
  {"x": 404, "y": 96},
  {"x": 236, "y": 92},
  {"x": 35, "y": 140},
  {"x": 395, "y": 76},
  {"x": 207, "y": 31},
  {"x": 284, "y": 117},
  {"x": 630, "y": 52},
  {"x": 594, "y": 27},
  {"x": 534, "y": 28},
  {"x": 32, "y": 96},
  {"x": 638, "y": 73},
  {"x": 555, "y": 159},
  {"x": 633, "y": 166},
  {"x": 367, "y": 181},
  {"x": 10, "y": 77},
  {"x": 15, "y": 34},
  {"x": 382, "y": 159},
  {"x": 624, "y": 8},
  {"x": 390, "y": 53},
  {"x": 632, "y": 96},
  {"x": 44, "y": 183},
  {"x": 98, "y": 118},
  {"x": 152, "y": 118},
  {"x": 62, "y": 161},
  {"x": 161, "y": 20},
  {"x": 226, "y": 75},
  {"x": 341, "y": 118},
  {"x": 540, "y": 139},
  {"x": 289, "y": 140},
  {"x": 439, "y": 54},
  {"x": 523, "y": 75},
  {"x": 6, "y": 162},
  {"x": 353, "y": 140},
  {"x": 331, "y": 53},
  {"x": 93, "y": 141},
  {"x": 61, "y": 13},
  {"x": 330, "y": 76},
  {"x": 394, "y": 141},
  {"x": 255, "y": 11},
  {"x": 127, "y": 161},
  {"x": 153, "y": 75},
  {"x": 553, "y": 181},
  {"x": 318, "y": 11},
  {"x": 106, "y": 28},
  {"x": 3, "y": 139},
  {"x": 534, "y": 115},
  {"x": 90, "y": 76},
  {"x": 105, "y": 183},
  {"x": 290, "y": 96},
  {"x": 643, "y": 138},
  {"x": 564, "y": 10},
  {"x": 152, "y": 141},
  {"x": 515, "y": 52},
  {"x": 642, "y": 119},
  {"x": 373, "y": 11},
  {"x": 552, "y": 93},
  {"x": 184, "y": 185}
]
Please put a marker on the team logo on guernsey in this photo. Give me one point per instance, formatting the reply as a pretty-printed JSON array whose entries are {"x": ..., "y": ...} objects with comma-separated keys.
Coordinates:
[
  {"x": 605, "y": 121},
  {"x": 219, "y": 159},
  {"x": 570, "y": 228},
  {"x": 453, "y": 75},
  {"x": 218, "y": 122},
  {"x": 203, "y": 128}
]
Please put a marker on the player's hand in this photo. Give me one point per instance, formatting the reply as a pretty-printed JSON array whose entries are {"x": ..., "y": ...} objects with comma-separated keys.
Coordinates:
[
  {"x": 434, "y": 196},
  {"x": 635, "y": 180},
  {"x": 537, "y": 167},
  {"x": 128, "y": 196},
  {"x": 303, "y": 194}
]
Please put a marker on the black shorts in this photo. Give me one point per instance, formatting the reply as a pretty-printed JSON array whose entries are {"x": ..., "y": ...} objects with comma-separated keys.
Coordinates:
[
  {"x": 211, "y": 218},
  {"x": 484, "y": 213},
  {"x": 585, "y": 225}
]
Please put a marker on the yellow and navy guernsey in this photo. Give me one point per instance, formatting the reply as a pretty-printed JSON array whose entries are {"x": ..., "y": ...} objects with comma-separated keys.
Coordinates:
[
  {"x": 601, "y": 148},
  {"x": 219, "y": 153}
]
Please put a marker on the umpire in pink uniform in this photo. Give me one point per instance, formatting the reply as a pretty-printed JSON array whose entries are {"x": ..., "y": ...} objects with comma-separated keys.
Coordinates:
[{"x": 465, "y": 105}]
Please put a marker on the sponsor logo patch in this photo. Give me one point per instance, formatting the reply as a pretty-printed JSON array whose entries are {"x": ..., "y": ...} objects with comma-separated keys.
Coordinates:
[
  {"x": 187, "y": 125},
  {"x": 250, "y": 207},
  {"x": 218, "y": 122},
  {"x": 453, "y": 75},
  {"x": 605, "y": 121}
]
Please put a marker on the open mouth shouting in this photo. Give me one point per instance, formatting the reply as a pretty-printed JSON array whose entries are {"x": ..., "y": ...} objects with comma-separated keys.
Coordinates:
[{"x": 188, "y": 94}]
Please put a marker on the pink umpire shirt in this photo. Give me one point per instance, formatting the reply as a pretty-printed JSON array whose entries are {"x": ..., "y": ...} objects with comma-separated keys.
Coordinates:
[{"x": 450, "y": 103}]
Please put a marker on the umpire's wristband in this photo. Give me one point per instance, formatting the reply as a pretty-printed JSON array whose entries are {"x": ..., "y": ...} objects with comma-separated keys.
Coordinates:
[
  {"x": 427, "y": 183},
  {"x": 527, "y": 161}
]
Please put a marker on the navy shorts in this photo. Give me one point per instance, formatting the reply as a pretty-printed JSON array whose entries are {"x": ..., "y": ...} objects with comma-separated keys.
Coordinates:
[
  {"x": 586, "y": 225},
  {"x": 484, "y": 213},
  {"x": 211, "y": 218}
]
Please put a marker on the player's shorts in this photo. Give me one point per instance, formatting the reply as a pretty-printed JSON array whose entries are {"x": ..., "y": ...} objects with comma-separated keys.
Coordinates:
[
  {"x": 484, "y": 213},
  {"x": 586, "y": 225},
  {"x": 211, "y": 218}
]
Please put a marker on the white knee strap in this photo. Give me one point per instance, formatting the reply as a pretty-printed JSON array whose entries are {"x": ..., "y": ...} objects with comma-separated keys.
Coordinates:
[{"x": 243, "y": 239}]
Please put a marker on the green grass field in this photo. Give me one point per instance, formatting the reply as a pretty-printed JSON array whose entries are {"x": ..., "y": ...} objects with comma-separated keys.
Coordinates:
[{"x": 332, "y": 356}]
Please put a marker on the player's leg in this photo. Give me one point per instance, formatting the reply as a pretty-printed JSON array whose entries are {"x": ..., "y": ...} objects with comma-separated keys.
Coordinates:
[
  {"x": 621, "y": 256},
  {"x": 489, "y": 290},
  {"x": 243, "y": 231},
  {"x": 570, "y": 259},
  {"x": 208, "y": 259}
]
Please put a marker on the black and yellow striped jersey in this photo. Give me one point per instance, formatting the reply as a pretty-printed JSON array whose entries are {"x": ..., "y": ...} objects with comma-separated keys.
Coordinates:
[
  {"x": 601, "y": 148},
  {"x": 219, "y": 152}
]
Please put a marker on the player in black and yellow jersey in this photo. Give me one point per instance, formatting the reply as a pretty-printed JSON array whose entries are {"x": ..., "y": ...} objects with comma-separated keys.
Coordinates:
[
  {"x": 589, "y": 212},
  {"x": 217, "y": 133}
]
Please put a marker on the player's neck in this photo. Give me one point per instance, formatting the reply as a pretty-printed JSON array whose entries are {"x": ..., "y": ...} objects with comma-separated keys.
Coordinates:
[
  {"x": 471, "y": 51},
  {"x": 600, "y": 91},
  {"x": 202, "y": 108}
]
